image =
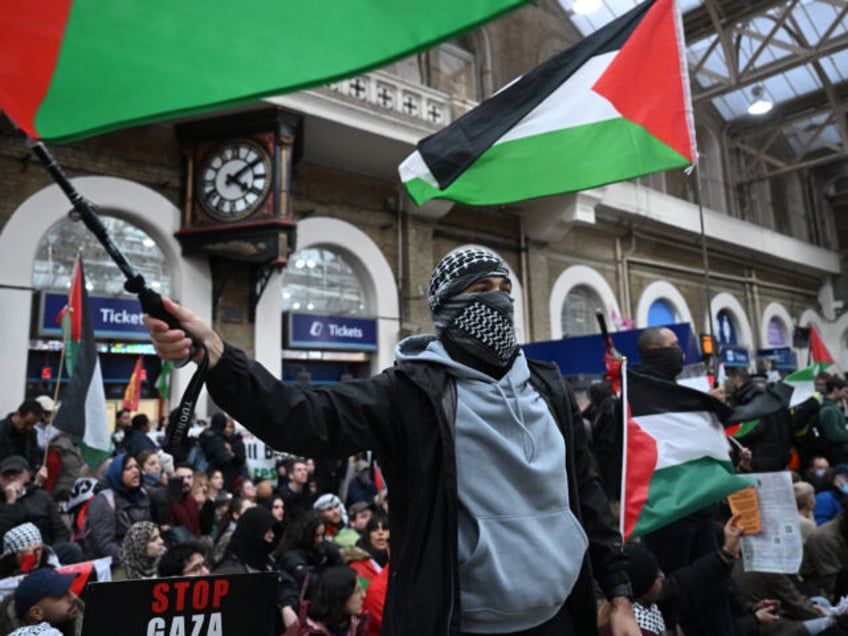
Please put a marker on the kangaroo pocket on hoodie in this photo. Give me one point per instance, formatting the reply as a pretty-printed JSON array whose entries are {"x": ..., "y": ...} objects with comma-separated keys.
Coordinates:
[{"x": 522, "y": 567}]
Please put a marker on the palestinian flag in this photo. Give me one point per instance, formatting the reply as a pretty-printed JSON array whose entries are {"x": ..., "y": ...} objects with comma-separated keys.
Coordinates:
[
  {"x": 803, "y": 381},
  {"x": 818, "y": 349},
  {"x": 163, "y": 382},
  {"x": 613, "y": 107},
  {"x": 75, "y": 68},
  {"x": 83, "y": 410},
  {"x": 676, "y": 459},
  {"x": 132, "y": 394}
]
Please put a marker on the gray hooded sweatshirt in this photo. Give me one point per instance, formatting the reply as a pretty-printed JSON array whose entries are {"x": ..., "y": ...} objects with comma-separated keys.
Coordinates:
[{"x": 520, "y": 546}]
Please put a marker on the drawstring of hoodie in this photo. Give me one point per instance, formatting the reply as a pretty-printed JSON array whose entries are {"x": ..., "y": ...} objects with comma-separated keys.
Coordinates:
[{"x": 514, "y": 406}]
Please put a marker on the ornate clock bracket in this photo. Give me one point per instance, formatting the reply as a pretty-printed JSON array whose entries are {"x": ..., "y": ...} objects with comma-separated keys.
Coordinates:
[{"x": 260, "y": 275}]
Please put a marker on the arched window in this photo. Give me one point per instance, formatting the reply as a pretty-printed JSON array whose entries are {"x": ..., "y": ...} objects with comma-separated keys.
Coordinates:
[
  {"x": 726, "y": 328},
  {"x": 322, "y": 281},
  {"x": 58, "y": 249},
  {"x": 578, "y": 311},
  {"x": 777, "y": 334},
  {"x": 662, "y": 312}
]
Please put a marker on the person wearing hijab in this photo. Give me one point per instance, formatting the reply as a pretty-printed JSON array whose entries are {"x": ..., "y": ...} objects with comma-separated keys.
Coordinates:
[
  {"x": 122, "y": 503},
  {"x": 140, "y": 551},
  {"x": 256, "y": 535}
]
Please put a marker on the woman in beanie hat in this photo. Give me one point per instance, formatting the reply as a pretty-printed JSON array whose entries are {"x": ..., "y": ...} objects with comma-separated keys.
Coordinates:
[{"x": 456, "y": 425}]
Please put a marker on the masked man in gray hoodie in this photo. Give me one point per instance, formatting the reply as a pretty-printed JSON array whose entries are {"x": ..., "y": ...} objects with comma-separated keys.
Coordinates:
[{"x": 499, "y": 524}]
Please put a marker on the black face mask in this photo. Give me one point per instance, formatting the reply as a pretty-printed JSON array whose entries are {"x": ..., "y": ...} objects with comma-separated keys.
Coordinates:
[{"x": 665, "y": 361}]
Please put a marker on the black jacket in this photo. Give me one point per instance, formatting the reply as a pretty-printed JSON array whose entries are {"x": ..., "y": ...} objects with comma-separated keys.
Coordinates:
[
  {"x": 36, "y": 506},
  {"x": 400, "y": 415}
]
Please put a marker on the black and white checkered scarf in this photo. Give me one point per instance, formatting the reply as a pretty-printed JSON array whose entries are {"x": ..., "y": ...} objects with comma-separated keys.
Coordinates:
[{"x": 481, "y": 323}]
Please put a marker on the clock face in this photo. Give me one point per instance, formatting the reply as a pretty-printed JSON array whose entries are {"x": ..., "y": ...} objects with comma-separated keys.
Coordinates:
[{"x": 234, "y": 179}]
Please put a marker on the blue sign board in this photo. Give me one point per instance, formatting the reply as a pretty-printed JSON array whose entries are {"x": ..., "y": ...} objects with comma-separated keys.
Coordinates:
[
  {"x": 784, "y": 358},
  {"x": 311, "y": 331},
  {"x": 117, "y": 318},
  {"x": 735, "y": 357},
  {"x": 585, "y": 354}
]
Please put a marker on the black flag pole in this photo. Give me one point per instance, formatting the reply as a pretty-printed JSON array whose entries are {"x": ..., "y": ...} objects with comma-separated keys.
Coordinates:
[
  {"x": 150, "y": 300},
  {"x": 711, "y": 360}
]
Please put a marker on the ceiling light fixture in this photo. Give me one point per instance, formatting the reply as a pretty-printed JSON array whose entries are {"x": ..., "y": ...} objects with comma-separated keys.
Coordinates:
[
  {"x": 585, "y": 7},
  {"x": 760, "y": 105}
]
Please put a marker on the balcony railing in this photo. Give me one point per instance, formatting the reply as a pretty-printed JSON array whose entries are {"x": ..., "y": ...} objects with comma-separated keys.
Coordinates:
[{"x": 398, "y": 97}]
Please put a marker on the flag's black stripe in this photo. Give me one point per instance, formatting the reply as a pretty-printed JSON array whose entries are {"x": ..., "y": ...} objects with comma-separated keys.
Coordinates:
[
  {"x": 71, "y": 418},
  {"x": 774, "y": 398},
  {"x": 651, "y": 396},
  {"x": 449, "y": 152}
]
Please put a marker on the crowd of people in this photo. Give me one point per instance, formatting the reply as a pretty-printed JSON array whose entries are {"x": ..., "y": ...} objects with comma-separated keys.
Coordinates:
[
  {"x": 504, "y": 496},
  {"x": 157, "y": 517}
]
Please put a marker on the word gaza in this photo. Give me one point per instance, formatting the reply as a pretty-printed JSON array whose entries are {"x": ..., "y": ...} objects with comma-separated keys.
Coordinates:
[{"x": 194, "y": 625}]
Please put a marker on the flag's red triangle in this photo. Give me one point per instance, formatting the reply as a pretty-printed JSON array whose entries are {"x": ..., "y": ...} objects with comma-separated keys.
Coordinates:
[
  {"x": 74, "y": 306},
  {"x": 642, "y": 456},
  {"x": 818, "y": 350},
  {"x": 645, "y": 81}
]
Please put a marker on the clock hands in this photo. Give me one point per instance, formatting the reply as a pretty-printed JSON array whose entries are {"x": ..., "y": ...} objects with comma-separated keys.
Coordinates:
[{"x": 236, "y": 176}]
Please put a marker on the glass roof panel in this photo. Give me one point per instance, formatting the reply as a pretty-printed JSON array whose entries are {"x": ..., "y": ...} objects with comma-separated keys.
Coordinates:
[
  {"x": 810, "y": 20},
  {"x": 802, "y": 79},
  {"x": 836, "y": 66}
]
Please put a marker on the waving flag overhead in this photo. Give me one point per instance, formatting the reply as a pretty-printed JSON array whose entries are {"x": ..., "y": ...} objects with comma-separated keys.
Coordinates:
[
  {"x": 818, "y": 349},
  {"x": 676, "y": 458},
  {"x": 83, "y": 409},
  {"x": 132, "y": 394},
  {"x": 73, "y": 68},
  {"x": 613, "y": 107}
]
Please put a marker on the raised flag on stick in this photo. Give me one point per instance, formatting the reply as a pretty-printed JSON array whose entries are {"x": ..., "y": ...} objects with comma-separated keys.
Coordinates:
[
  {"x": 614, "y": 106},
  {"x": 676, "y": 454},
  {"x": 818, "y": 350},
  {"x": 132, "y": 394},
  {"x": 82, "y": 67},
  {"x": 83, "y": 410}
]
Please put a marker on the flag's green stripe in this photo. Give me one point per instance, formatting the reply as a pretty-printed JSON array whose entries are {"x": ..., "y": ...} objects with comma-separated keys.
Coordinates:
[
  {"x": 559, "y": 161},
  {"x": 746, "y": 428},
  {"x": 71, "y": 346},
  {"x": 130, "y": 62},
  {"x": 94, "y": 457},
  {"x": 681, "y": 490}
]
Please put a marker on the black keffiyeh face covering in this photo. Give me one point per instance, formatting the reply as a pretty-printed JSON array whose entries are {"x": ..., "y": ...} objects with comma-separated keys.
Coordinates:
[{"x": 481, "y": 323}]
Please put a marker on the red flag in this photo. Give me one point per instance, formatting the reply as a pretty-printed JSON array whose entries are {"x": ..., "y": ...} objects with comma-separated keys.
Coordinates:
[
  {"x": 133, "y": 392},
  {"x": 379, "y": 481},
  {"x": 818, "y": 350}
]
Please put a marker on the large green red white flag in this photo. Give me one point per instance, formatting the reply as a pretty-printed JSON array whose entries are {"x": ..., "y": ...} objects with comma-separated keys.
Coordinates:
[
  {"x": 75, "y": 68},
  {"x": 613, "y": 107},
  {"x": 676, "y": 458},
  {"x": 82, "y": 412}
]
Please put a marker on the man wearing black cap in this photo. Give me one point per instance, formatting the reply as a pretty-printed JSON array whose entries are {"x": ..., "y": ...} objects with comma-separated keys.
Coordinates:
[
  {"x": 44, "y": 597},
  {"x": 498, "y": 521},
  {"x": 17, "y": 433},
  {"x": 24, "y": 501}
]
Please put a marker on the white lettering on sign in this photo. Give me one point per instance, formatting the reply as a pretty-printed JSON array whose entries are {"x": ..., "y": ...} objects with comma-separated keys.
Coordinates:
[
  {"x": 199, "y": 625},
  {"x": 343, "y": 331},
  {"x": 120, "y": 317}
]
